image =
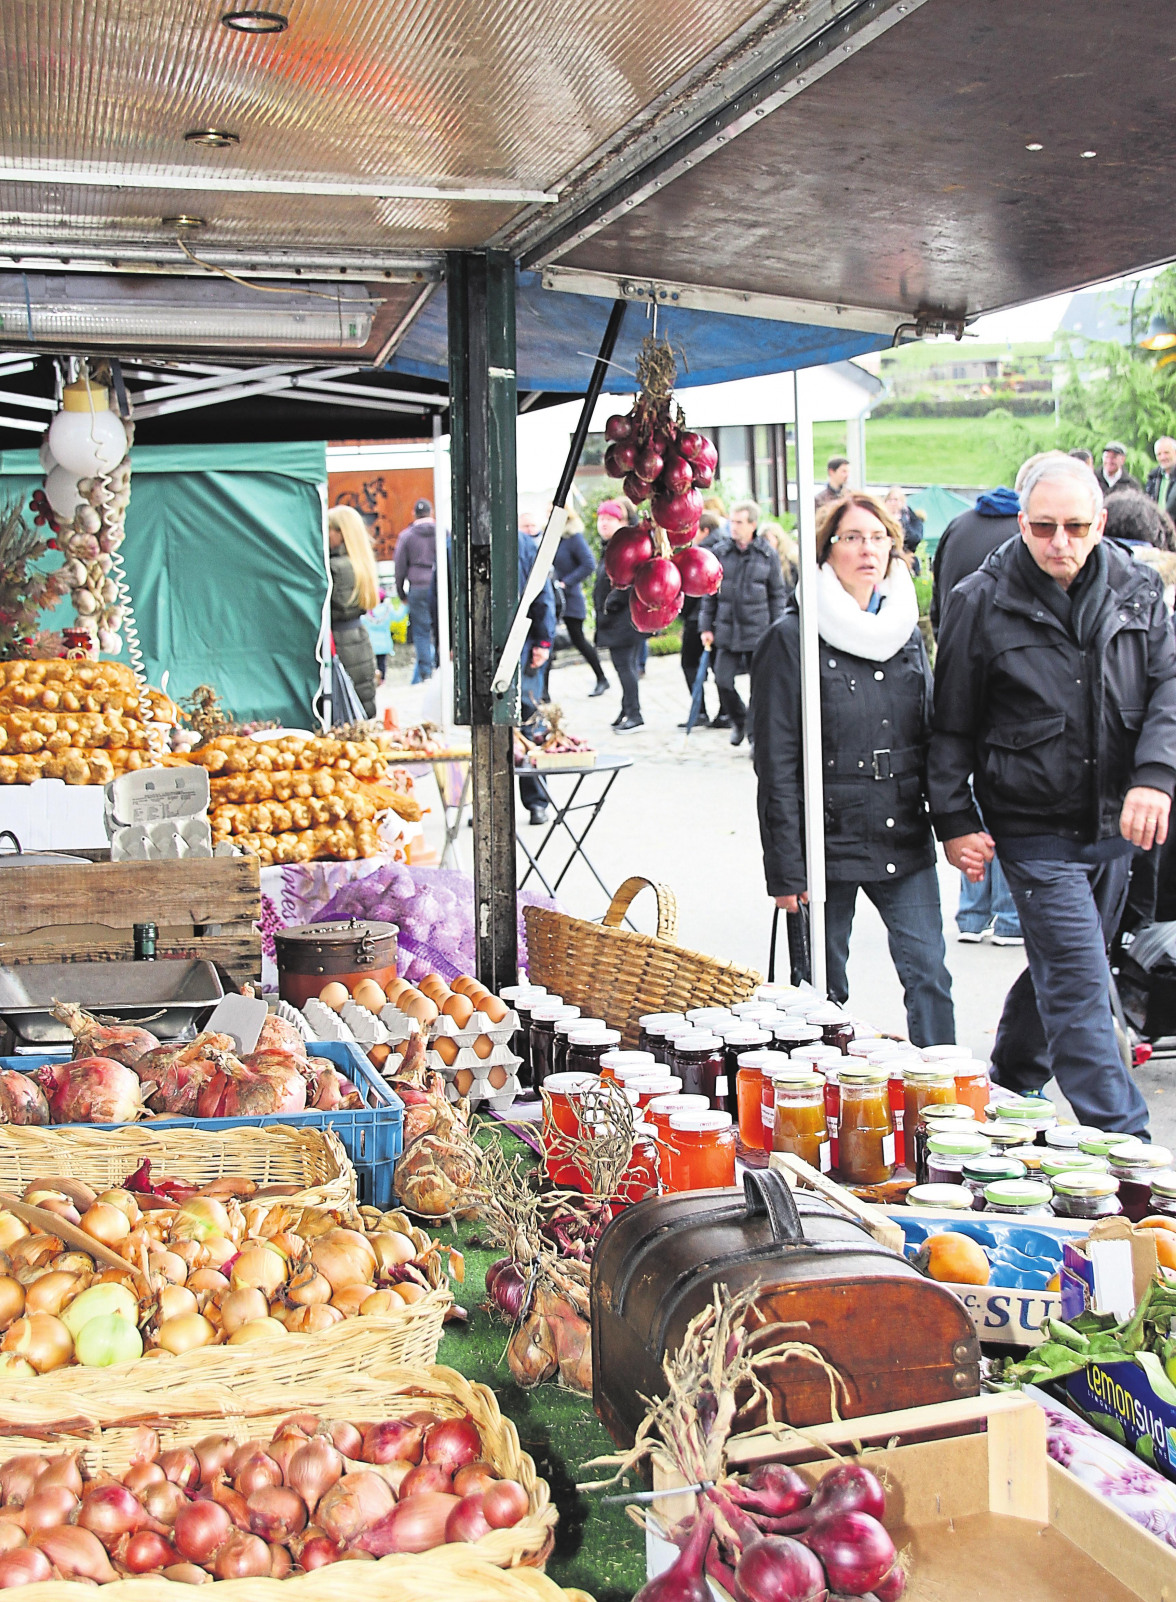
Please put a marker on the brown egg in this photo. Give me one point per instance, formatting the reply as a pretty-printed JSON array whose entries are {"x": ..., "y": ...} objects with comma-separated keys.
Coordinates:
[
  {"x": 378, "y": 1055},
  {"x": 462, "y": 984},
  {"x": 396, "y": 988},
  {"x": 478, "y": 995},
  {"x": 431, "y": 982},
  {"x": 462, "y": 1081},
  {"x": 419, "y": 1007},
  {"x": 369, "y": 994},
  {"x": 483, "y": 1046},
  {"x": 460, "y": 1009},
  {"x": 335, "y": 996},
  {"x": 403, "y": 1046},
  {"x": 446, "y": 1049},
  {"x": 498, "y": 1075},
  {"x": 494, "y": 1009}
]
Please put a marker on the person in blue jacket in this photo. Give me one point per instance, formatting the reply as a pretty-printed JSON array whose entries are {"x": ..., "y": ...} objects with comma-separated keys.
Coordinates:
[
  {"x": 532, "y": 791},
  {"x": 574, "y": 562}
]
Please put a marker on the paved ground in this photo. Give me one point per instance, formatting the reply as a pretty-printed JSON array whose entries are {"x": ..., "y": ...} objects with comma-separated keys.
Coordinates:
[{"x": 685, "y": 813}]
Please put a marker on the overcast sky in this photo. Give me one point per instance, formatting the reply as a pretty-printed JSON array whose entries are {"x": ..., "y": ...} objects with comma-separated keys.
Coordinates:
[{"x": 1039, "y": 319}]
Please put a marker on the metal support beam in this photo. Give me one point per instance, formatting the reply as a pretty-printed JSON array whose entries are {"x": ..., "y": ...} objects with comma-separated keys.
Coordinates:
[
  {"x": 810, "y": 683},
  {"x": 483, "y": 401}
]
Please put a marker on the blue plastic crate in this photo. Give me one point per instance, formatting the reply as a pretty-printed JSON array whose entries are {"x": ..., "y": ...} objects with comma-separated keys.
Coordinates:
[{"x": 372, "y": 1136}]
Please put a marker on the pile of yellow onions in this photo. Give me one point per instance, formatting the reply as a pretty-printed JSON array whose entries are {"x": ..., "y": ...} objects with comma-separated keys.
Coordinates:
[{"x": 209, "y": 1271}]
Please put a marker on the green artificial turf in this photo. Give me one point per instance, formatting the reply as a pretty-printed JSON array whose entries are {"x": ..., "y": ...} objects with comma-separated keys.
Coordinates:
[{"x": 598, "y": 1549}]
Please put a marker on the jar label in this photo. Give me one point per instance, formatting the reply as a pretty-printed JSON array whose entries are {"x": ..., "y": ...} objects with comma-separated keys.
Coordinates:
[
  {"x": 833, "y": 1125},
  {"x": 825, "y": 1156},
  {"x": 768, "y": 1113},
  {"x": 899, "y": 1119},
  {"x": 721, "y": 1085},
  {"x": 888, "y": 1149}
]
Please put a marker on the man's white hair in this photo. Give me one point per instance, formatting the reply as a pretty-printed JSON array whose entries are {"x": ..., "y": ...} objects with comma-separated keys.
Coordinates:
[{"x": 1053, "y": 468}]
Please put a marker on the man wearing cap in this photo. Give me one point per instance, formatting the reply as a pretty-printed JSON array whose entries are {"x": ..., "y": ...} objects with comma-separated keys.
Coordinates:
[
  {"x": 1111, "y": 475},
  {"x": 416, "y": 561}
]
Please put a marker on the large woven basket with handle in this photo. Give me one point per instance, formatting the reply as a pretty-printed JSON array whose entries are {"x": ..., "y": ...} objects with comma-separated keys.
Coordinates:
[{"x": 615, "y": 974}]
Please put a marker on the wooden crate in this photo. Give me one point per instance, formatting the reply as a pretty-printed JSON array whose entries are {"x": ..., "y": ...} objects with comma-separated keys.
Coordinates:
[
  {"x": 203, "y": 907},
  {"x": 982, "y": 1509}
]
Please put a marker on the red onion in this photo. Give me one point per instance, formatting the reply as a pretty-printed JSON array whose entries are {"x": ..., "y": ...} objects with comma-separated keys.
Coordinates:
[
  {"x": 353, "y": 1505},
  {"x": 676, "y": 475},
  {"x": 25, "y": 1567},
  {"x": 636, "y": 488},
  {"x": 657, "y": 583},
  {"x": 680, "y": 538},
  {"x": 317, "y": 1552},
  {"x": 891, "y": 1586},
  {"x": 648, "y": 620},
  {"x": 276, "y": 1512},
  {"x": 111, "y": 1512},
  {"x": 689, "y": 444},
  {"x": 182, "y": 1467},
  {"x": 779, "y": 1569},
  {"x": 649, "y": 463},
  {"x": 848, "y": 1488},
  {"x": 214, "y": 1454},
  {"x": 701, "y": 570},
  {"x": 242, "y": 1557},
  {"x": 624, "y": 554},
  {"x": 618, "y": 427},
  {"x": 467, "y": 1522},
  {"x": 774, "y": 1490},
  {"x": 855, "y": 1549},
  {"x": 53, "y": 1505},
  {"x": 199, "y": 1530},
  {"x": 145, "y": 1552},
  {"x": 74, "y": 1553},
  {"x": 94, "y": 1090},
  {"x": 620, "y": 458},
  {"x": 393, "y": 1439},
  {"x": 504, "y": 1504},
  {"x": 684, "y": 1580},
  {"x": 474, "y": 1477},
  {"x": 257, "y": 1470},
  {"x": 453, "y": 1443},
  {"x": 677, "y": 511},
  {"x": 506, "y": 1284},
  {"x": 313, "y": 1469},
  {"x": 414, "y": 1525},
  {"x": 426, "y": 1477},
  {"x": 344, "y": 1437}
]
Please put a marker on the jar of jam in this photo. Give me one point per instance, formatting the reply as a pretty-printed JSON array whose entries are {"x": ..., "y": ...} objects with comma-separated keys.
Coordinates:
[
  {"x": 642, "y": 1177},
  {"x": 544, "y": 1013},
  {"x": 832, "y": 1113},
  {"x": 586, "y": 1047},
  {"x": 937, "y": 1118},
  {"x": 1163, "y": 1193},
  {"x": 1065, "y": 1137},
  {"x": 1080, "y": 1193},
  {"x": 943, "y": 1053},
  {"x": 1034, "y": 1113},
  {"x": 799, "y": 1116},
  {"x": 662, "y": 1108},
  {"x": 701, "y": 1149},
  {"x": 1019, "y": 1198},
  {"x": 1005, "y": 1135},
  {"x": 1052, "y": 1163},
  {"x": 613, "y": 1061},
  {"x": 561, "y": 1111},
  {"x": 653, "y": 1031},
  {"x": 520, "y": 1040},
  {"x": 738, "y": 1042},
  {"x": 947, "y": 1152},
  {"x": 559, "y": 1044},
  {"x": 836, "y": 1029},
  {"x": 648, "y": 1090},
  {"x": 778, "y": 995},
  {"x": 699, "y": 1062},
  {"x": 972, "y": 1085},
  {"x": 981, "y": 1171},
  {"x": 865, "y": 1133},
  {"x": 924, "y": 1085},
  {"x": 1133, "y": 1165},
  {"x": 790, "y": 1033},
  {"x": 1102, "y": 1144},
  {"x": 709, "y": 1018},
  {"x": 940, "y": 1198},
  {"x": 751, "y": 1084}
]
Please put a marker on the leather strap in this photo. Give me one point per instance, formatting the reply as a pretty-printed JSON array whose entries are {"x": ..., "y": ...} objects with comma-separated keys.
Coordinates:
[{"x": 766, "y": 1192}]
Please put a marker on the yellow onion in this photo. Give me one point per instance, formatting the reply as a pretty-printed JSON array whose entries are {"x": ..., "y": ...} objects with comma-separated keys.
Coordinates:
[
  {"x": 115, "y": 1276},
  {"x": 392, "y": 1249},
  {"x": 175, "y": 1301},
  {"x": 350, "y": 1299},
  {"x": 54, "y": 1202},
  {"x": 258, "y": 1329},
  {"x": 199, "y": 1219},
  {"x": 207, "y": 1282},
  {"x": 42, "y": 1340},
  {"x": 310, "y": 1320},
  {"x": 11, "y": 1230},
  {"x": 34, "y": 1251},
  {"x": 52, "y": 1291},
  {"x": 124, "y": 1201},
  {"x": 137, "y": 1242},
  {"x": 174, "y": 1269},
  {"x": 106, "y": 1223},
  {"x": 12, "y": 1300},
  {"x": 14, "y": 1367},
  {"x": 308, "y": 1288},
  {"x": 185, "y": 1333},
  {"x": 100, "y": 1301},
  {"x": 259, "y": 1268},
  {"x": 78, "y": 1192},
  {"x": 72, "y": 1263},
  {"x": 344, "y": 1257},
  {"x": 290, "y": 1246},
  {"x": 220, "y": 1249},
  {"x": 381, "y": 1301},
  {"x": 191, "y": 1252},
  {"x": 242, "y": 1307}
]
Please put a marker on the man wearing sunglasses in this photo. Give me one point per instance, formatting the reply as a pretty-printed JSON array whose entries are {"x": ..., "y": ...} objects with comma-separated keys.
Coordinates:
[{"x": 1055, "y": 712}]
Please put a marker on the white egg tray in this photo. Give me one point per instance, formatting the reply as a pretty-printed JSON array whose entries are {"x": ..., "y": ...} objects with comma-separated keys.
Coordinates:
[
  {"x": 399, "y": 1025},
  {"x": 364, "y": 1025},
  {"x": 482, "y": 1092},
  {"x": 468, "y": 1058},
  {"x": 325, "y": 1023}
]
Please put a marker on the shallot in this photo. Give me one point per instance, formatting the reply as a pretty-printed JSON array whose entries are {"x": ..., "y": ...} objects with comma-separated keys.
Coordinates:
[
  {"x": 415, "y": 1525},
  {"x": 24, "y": 1567},
  {"x": 146, "y": 1552},
  {"x": 453, "y": 1443},
  {"x": 199, "y": 1530},
  {"x": 76, "y": 1554},
  {"x": 354, "y": 1505}
]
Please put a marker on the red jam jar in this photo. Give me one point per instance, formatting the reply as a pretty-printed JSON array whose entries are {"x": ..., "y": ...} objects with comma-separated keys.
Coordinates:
[
  {"x": 751, "y": 1086},
  {"x": 642, "y": 1178},
  {"x": 586, "y": 1048},
  {"x": 647, "y": 1088},
  {"x": 792, "y": 1032},
  {"x": 700, "y": 1063},
  {"x": 653, "y": 1031},
  {"x": 1134, "y": 1164},
  {"x": 836, "y": 1029},
  {"x": 662, "y": 1108},
  {"x": 613, "y": 1061},
  {"x": 738, "y": 1042},
  {"x": 701, "y": 1151},
  {"x": 565, "y": 1094}
]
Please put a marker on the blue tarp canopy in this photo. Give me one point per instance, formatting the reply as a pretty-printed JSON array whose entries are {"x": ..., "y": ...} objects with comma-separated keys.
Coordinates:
[{"x": 559, "y": 334}]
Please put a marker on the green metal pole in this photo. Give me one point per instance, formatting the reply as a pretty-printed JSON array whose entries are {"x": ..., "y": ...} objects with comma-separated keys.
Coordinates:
[{"x": 482, "y": 410}]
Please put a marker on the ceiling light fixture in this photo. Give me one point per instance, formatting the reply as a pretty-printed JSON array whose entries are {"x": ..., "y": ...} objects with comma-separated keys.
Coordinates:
[
  {"x": 212, "y": 138},
  {"x": 1034, "y": 147},
  {"x": 255, "y": 21},
  {"x": 184, "y": 220}
]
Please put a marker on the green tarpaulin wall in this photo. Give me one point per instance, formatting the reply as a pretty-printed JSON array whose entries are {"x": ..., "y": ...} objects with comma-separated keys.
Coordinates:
[
  {"x": 938, "y": 506},
  {"x": 226, "y": 561}
]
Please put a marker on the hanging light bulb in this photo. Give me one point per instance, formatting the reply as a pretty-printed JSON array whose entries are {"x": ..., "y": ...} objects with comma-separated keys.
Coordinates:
[
  {"x": 62, "y": 493},
  {"x": 86, "y": 436}
]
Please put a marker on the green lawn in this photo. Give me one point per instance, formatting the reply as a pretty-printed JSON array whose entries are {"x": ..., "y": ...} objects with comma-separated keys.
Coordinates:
[{"x": 964, "y": 451}]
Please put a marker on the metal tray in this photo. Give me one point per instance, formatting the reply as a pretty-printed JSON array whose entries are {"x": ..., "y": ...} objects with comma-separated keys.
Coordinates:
[{"x": 167, "y": 997}]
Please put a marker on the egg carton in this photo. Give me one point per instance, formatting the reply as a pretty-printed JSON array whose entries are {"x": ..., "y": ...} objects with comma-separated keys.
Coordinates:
[
  {"x": 325, "y": 1023},
  {"x": 292, "y": 1016},
  {"x": 467, "y": 1057},
  {"x": 364, "y": 1025},
  {"x": 481, "y": 1092},
  {"x": 399, "y": 1025}
]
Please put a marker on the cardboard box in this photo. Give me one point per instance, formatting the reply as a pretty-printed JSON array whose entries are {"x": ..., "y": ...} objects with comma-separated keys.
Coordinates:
[
  {"x": 1133, "y": 1403},
  {"x": 1093, "y": 1280},
  {"x": 982, "y": 1509}
]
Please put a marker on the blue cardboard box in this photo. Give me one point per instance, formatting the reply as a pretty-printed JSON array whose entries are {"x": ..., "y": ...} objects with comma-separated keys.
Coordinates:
[{"x": 1132, "y": 1402}]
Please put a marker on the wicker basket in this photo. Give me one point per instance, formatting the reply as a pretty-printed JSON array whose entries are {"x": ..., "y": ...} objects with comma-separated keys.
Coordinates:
[
  {"x": 410, "y": 1336},
  {"x": 612, "y": 973},
  {"x": 252, "y": 1411},
  {"x": 275, "y": 1154}
]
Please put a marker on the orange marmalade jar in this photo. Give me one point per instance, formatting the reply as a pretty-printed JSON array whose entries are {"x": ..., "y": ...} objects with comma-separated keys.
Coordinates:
[
  {"x": 661, "y": 1109},
  {"x": 701, "y": 1151},
  {"x": 924, "y": 1084},
  {"x": 865, "y": 1125},
  {"x": 751, "y": 1086},
  {"x": 798, "y": 1095},
  {"x": 565, "y": 1095}
]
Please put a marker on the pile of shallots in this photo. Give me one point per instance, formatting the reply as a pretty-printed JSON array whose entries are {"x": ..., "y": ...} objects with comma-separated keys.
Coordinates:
[{"x": 318, "y": 1491}]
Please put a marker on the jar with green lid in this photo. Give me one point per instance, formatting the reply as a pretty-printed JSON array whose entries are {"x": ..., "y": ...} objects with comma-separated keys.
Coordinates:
[
  {"x": 940, "y": 1198},
  {"x": 1019, "y": 1198},
  {"x": 936, "y": 1118},
  {"x": 1082, "y": 1193},
  {"x": 1006, "y": 1133},
  {"x": 1098, "y": 1144},
  {"x": 981, "y": 1171},
  {"x": 1033, "y": 1113},
  {"x": 1163, "y": 1193},
  {"x": 948, "y": 1151},
  {"x": 1133, "y": 1163},
  {"x": 1054, "y": 1163}
]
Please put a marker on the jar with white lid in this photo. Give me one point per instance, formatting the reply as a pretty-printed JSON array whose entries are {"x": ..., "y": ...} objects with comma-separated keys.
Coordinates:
[
  {"x": 586, "y": 1048},
  {"x": 700, "y": 1063},
  {"x": 616, "y": 1058},
  {"x": 559, "y": 1045},
  {"x": 653, "y": 1026},
  {"x": 544, "y": 1015},
  {"x": 701, "y": 1149},
  {"x": 940, "y": 1199}
]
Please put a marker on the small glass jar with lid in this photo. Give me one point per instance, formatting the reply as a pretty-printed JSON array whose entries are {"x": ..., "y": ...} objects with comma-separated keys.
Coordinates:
[
  {"x": 1005, "y": 1133},
  {"x": 1133, "y": 1164},
  {"x": 981, "y": 1171},
  {"x": 1163, "y": 1193},
  {"x": 613, "y": 1061},
  {"x": 699, "y": 1062},
  {"x": 778, "y": 995},
  {"x": 751, "y": 1086},
  {"x": 924, "y": 1084},
  {"x": 872, "y": 1046},
  {"x": 798, "y": 1115},
  {"x": 662, "y": 1108},
  {"x": 1065, "y": 1137},
  {"x": 1030, "y": 1156},
  {"x": 647, "y": 1088},
  {"x": 1052, "y": 1163},
  {"x": 1034, "y": 1113},
  {"x": 559, "y": 1045},
  {"x": 940, "y": 1199},
  {"x": 792, "y": 1032},
  {"x": 653, "y": 1027},
  {"x": 1100, "y": 1143},
  {"x": 836, "y": 1029},
  {"x": 544, "y": 1014},
  {"x": 737, "y": 1042},
  {"x": 522, "y": 1001},
  {"x": 561, "y": 1114},
  {"x": 973, "y": 1086},
  {"x": 710, "y": 1018},
  {"x": 937, "y": 1118},
  {"x": 817, "y": 1055},
  {"x": 701, "y": 1151},
  {"x": 947, "y": 1152},
  {"x": 586, "y": 1047},
  {"x": 1019, "y": 1198},
  {"x": 642, "y": 1178},
  {"x": 943, "y": 1053},
  {"x": 865, "y": 1131},
  {"x": 1082, "y": 1193},
  {"x": 751, "y": 1009}
]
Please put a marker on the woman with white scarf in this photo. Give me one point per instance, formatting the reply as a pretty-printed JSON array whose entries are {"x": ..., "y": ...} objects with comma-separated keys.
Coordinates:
[{"x": 875, "y": 721}]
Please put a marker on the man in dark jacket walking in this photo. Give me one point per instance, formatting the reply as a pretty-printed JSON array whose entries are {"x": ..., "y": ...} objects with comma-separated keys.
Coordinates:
[
  {"x": 1161, "y": 481},
  {"x": 1055, "y": 712},
  {"x": 416, "y": 560},
  {"x": 532, "y": 675},
  {"x": 967, "y": 540},
  {"x": 749, "y": 601}
]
